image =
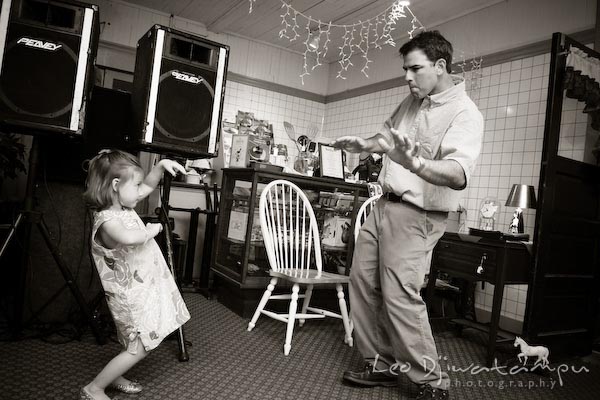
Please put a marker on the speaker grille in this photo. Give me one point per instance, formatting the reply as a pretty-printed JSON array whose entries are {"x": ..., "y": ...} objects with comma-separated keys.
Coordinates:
[
  {"x": 38, "y": 82},
  {"x": 182, "y": 98}
]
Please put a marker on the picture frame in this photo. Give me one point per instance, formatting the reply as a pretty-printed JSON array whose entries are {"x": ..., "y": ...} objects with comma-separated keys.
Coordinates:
[
  {"x": 239, "y": 151},
  {"x": 331, "y": 162}
]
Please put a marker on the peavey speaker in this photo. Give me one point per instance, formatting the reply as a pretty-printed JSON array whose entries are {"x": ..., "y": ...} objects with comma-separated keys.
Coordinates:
[
  {"x": 178, "y": 91},
  {"x": 47, "y": 54}
]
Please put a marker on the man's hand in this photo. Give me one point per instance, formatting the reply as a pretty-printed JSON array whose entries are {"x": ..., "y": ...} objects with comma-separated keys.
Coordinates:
[
  {"x": 403, "y": 152},
  {"x": 352, "y": 144}
]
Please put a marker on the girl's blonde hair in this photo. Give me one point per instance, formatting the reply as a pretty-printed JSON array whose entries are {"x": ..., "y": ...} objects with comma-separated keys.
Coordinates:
[{"x": 103, "y": 168}]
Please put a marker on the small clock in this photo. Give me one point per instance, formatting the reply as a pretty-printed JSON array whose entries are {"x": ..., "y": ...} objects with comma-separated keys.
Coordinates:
[{"x": 488, "y": 213}]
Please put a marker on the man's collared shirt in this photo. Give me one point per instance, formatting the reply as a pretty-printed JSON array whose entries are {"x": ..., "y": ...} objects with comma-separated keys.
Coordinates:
[{"x": 449, "y": 126}]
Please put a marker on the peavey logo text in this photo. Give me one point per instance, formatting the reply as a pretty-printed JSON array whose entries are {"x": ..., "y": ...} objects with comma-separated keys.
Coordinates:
[
  {"x": 186, "y": 77},
  {"x": 39, "y": 44}
]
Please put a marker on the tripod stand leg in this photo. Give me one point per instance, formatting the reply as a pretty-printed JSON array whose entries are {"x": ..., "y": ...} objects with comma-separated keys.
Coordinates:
[
  {"x": 24, "y": 237},
  {"x": 68, "y": 276},
  {"x": 164, "y": 218},
  {"x": 11, "y": 233},
  {"x": 183, "y": 354}
]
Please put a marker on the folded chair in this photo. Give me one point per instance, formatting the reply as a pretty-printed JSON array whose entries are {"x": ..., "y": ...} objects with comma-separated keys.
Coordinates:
[{"x": 293, "y": 246}]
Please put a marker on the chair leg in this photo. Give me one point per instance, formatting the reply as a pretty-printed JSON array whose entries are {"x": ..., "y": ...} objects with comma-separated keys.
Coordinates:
[
  {"x": 306, "y": 302},
  {"x": 263, "y": 302},
  {"x": 344, "y": 311},
  {"x": 291, "y": 319}
]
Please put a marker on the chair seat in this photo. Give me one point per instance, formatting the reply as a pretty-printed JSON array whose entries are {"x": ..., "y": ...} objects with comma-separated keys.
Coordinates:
[{"x": 311, "y": 279}]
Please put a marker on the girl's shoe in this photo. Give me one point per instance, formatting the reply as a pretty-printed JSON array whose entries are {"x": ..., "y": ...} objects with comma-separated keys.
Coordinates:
[
  {"x": 131, "y": 388},
  {"x": 84, "y": 395}
]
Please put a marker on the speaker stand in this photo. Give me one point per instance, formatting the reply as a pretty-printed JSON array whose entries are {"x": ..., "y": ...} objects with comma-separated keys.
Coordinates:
[
  {"x": 163, "y": 216},
  {"x": 211, "y": 212},
  {"x": 25, "y": 221}
]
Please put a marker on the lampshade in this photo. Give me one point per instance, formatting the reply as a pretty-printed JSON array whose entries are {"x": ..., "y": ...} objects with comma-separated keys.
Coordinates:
[{"x": 521, "y": 196}]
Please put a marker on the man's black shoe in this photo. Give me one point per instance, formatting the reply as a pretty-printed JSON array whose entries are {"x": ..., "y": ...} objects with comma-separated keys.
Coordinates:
[
  {"x": 427, "y": 392},
  {"x": 368, "y": 376}
]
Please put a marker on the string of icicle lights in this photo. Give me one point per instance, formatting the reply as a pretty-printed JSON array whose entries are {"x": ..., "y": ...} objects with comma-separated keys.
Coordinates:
[{"x": 358, "y": 38}]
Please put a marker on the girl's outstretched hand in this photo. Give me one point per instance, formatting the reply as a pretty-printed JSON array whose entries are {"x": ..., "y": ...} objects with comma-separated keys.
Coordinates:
[{"x": 172, "y": 167}]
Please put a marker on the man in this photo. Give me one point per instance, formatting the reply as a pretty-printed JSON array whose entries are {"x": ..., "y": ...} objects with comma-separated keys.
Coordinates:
[{"x": 430, "y": 145}]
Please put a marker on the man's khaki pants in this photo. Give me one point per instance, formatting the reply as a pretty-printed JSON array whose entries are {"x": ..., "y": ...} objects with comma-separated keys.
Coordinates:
[{"x": 388, "y": 270}]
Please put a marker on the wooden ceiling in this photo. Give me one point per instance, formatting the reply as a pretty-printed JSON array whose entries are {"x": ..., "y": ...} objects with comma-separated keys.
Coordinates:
[{"x": 264, "y": 23}]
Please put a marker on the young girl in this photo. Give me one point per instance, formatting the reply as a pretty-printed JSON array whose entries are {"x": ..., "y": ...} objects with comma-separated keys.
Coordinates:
[{"x": 140, "y": 291}]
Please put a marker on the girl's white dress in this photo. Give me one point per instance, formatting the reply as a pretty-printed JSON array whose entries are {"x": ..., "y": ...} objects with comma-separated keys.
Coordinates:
[{"x": 140, "y": 290}]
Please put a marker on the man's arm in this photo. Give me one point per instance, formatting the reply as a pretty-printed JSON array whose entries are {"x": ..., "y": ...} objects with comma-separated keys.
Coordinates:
[
  {"x": 355, "y": 144},
  {"x": 441, "y": 173}
]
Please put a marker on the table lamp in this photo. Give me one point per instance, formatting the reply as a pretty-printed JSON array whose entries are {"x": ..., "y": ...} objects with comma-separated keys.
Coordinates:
[{"x": 521, "y": 196}]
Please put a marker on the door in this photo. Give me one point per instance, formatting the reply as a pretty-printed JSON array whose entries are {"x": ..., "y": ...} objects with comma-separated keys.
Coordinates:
[{"x": 563, "y": 297}]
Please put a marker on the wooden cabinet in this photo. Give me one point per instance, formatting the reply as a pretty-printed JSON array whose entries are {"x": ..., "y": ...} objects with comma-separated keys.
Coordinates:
[
  {"x": 240, "y": 259},
  {"x": 474, "y": 258}
]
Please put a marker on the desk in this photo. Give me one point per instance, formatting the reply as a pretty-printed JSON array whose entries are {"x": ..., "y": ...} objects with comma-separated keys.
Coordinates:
[{"x": 474, "y": 258}]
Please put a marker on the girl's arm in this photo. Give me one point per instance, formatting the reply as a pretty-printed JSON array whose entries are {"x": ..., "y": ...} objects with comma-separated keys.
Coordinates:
[
  {"x": 113, "y": 233},
  {"x": 152, "y": 179}
]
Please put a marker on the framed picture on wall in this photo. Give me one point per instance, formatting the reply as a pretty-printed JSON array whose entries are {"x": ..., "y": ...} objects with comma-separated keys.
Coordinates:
[{"x": 331, "y": 162}]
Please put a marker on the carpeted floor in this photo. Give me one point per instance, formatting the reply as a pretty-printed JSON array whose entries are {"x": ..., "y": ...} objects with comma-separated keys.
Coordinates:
[{"x": 227, "y": 362}]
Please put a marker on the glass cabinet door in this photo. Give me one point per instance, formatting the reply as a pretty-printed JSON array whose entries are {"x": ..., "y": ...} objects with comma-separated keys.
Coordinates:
[{"x": 240, "y": 252}]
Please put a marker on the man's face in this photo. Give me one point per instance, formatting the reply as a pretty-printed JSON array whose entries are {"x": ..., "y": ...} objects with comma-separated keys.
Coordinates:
[{"x": 422, "y": 74}]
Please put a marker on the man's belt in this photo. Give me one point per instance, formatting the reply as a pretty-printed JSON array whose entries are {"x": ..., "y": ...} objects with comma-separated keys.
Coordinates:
[{"x": 393, "y": 197}]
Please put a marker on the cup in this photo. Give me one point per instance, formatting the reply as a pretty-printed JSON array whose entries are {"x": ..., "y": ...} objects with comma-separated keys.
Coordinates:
[{"x": 192, "y": 177}]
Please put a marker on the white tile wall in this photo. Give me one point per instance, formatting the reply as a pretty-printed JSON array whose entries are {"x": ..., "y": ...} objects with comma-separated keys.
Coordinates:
[{"x": 512, "y": 99}]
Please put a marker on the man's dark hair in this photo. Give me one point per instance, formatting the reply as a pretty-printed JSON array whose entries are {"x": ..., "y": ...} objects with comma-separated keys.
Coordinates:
[{"x": 433, "y": 44}]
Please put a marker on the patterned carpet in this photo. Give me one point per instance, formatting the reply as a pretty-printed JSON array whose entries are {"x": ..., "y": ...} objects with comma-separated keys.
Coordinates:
[{"x": 226, "y": 362}]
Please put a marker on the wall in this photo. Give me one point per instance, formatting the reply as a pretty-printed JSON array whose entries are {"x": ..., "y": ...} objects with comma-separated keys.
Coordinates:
[
  {"x": 502, "y": 26},
  {"x": 123, "y": 24},
  {"x": 512, "y": 99}
]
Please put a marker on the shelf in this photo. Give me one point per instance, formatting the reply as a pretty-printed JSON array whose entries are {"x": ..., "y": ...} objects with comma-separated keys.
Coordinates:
[
  {"x": 193, "y": 186},
  {"x": 257, "y": 243},
  {"x": 340, "y": 249}
]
